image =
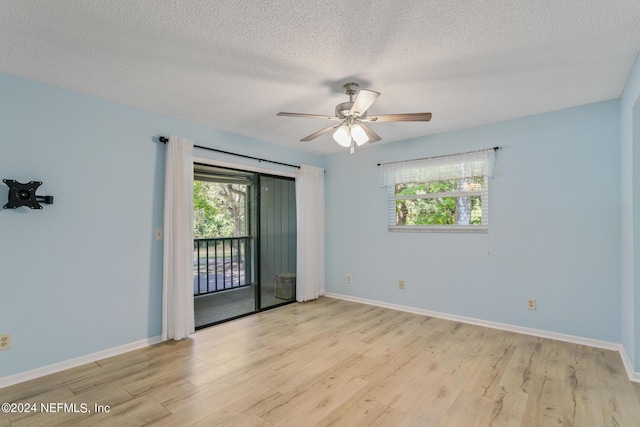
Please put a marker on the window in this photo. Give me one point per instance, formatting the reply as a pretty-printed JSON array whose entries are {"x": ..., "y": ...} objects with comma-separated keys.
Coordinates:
[{"x": 440, "y": 194}]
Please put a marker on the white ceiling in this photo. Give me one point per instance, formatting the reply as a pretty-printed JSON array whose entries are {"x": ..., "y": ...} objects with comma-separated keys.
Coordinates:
[{"x": 233, "y": 64}]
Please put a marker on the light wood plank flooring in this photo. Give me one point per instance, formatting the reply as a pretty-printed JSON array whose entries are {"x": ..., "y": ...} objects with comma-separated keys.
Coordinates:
[{"x": 338, "y": 363}]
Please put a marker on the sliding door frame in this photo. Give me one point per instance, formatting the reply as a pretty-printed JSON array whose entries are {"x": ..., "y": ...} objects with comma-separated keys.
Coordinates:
[{"x": 259, "y": 172}]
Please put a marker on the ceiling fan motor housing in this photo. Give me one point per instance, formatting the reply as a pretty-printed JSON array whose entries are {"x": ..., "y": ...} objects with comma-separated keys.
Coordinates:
[{"x": 343, "y": 109}]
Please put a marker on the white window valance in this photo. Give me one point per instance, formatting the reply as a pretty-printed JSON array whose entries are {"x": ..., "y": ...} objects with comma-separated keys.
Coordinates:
[{"x": 455, "y": 166}]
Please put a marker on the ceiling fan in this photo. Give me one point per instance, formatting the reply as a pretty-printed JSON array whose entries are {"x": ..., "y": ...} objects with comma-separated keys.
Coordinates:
[{"x": 352, "y": 116}]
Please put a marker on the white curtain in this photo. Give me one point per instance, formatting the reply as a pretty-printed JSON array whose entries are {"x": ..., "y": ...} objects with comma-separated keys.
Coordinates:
[
  {"x": 177, "y": 277},
  {"x": 455, "y": 166},
  {"x": 310, "y": 228}
]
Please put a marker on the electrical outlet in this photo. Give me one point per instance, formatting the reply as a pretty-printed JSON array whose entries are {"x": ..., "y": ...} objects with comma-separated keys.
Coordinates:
[
  {"x": 401, "y": 284},
  {"x": 348, "y": 278},
  {"x": 5, "y": 341},
  {"x": 531, "y": 304}
]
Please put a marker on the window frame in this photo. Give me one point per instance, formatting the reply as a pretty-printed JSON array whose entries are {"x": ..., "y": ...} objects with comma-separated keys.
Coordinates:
[
  {"x": 441, "y": 228},
  {"x": 455, "y": 167}
]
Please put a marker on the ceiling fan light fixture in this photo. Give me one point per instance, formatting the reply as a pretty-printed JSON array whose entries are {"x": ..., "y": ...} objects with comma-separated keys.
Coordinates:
[
  {"x": 358, "y": 134},
  {"x": 342, "y": 136}
]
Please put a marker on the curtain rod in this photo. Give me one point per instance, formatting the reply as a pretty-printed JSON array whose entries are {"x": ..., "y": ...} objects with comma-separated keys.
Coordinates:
[
  {"x": 437, "y": 157},
  {"x": 164, "y": 140}
]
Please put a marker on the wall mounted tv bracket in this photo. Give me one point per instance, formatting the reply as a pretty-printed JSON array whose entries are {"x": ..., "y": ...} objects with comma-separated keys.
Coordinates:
[{"x": 25, "y": 195}]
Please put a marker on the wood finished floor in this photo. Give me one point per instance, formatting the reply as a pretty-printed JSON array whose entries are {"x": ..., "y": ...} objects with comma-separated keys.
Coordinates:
[{"x": 336, "y": 363}]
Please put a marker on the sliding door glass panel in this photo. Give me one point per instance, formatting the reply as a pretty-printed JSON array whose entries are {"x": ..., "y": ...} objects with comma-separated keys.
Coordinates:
[
  {"x": 224, "y": 284},
  {"x": 277, "y": 251}
]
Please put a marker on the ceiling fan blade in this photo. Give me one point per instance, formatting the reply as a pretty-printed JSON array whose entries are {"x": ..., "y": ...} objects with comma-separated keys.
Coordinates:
[
  {"x": 310, "y": 116},
  {"x": 320, "y": 132},
  {"x": 373, "y": 137},
  {"x": 364, "y": 100},
  {"x": 408, "y": 117}
]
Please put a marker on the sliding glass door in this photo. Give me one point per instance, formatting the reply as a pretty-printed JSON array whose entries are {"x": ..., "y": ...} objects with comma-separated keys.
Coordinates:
[{"x": 244, "y": 243}]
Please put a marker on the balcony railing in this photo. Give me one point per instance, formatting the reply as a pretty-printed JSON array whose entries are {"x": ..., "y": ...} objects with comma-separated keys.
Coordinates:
[{"x": 220, "y": 264}]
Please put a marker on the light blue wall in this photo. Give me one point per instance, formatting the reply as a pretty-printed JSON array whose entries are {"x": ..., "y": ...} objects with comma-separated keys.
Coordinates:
[
  {"x": 554, "y": 227},
  {"x": 85, "y": 274},
  {"x": 630, "y": 220}
]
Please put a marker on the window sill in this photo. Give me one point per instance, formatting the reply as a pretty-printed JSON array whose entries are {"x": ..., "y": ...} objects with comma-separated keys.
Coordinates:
[{"x": 439, "y": 229}]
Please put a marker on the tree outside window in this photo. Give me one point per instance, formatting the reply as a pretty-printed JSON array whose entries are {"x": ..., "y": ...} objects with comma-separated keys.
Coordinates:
[{"x": 219, "y": 210}]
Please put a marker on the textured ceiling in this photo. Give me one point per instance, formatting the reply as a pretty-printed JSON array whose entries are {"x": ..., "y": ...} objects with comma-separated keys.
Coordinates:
[{"x": 233, "y": 64}]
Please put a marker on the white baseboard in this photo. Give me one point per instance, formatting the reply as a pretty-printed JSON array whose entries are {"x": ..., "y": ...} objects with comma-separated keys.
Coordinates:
[
  {"x": 628, "y": 366},
  {"x": 78, "y": 361},
  {"x": 633, "y": 376}
]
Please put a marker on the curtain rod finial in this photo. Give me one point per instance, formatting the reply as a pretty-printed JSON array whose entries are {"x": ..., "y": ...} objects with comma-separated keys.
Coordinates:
[{"x": 163, "y": 139}]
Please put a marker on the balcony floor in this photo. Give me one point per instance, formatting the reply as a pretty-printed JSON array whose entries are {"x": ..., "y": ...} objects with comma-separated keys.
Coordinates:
[{"x": 224, "y": 305}]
